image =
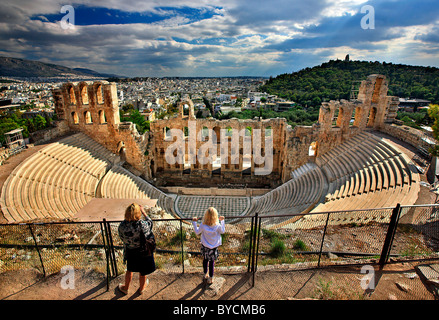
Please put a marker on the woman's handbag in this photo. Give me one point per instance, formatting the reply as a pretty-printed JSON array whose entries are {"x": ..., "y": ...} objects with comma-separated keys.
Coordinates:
[{"x": 147, "y": 245}]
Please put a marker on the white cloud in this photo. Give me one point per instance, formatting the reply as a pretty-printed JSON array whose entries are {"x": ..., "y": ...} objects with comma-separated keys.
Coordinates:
[{"x": 243, "y": 37}]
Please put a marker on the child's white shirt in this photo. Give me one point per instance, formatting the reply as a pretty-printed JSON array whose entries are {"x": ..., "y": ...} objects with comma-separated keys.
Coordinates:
[{"x": 210, "y": 235}]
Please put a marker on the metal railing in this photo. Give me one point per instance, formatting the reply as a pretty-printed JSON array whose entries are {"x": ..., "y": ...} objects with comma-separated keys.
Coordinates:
[{"x": 301, "y": 241}]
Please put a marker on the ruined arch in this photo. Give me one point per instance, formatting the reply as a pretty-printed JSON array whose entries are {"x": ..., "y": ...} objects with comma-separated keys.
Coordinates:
[
  {"x": 121, "y": 151},
  {"x": 87, "y": 117},
  {"x": 268, "y": 131},
  {"x": 75, "y": 118},
  {"x": 166, "y": 133},
  {"x": 102, "y": 117},
  {"x": 341, "y": 114},
  {"x": 313, "y": 149},
  {"x": 99, "y": 94},
  {"x": 372, "y": 117},
  {"x": 204, "y": 133},
  {"x": 84, "y": 94},
  {"x": 72, "y": 95}
]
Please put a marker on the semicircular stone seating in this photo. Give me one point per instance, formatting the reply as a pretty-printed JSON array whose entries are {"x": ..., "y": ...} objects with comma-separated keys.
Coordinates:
[
  {"x": 189, "y": 206},
  {"x": 120, "y": 183},
  {"x": 297, "y": 195},
  {"x": 365, "y": 172},
  {"x": 57, "y": 181}
]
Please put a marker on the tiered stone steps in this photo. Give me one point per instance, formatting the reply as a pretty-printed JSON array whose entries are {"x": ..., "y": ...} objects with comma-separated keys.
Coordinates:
[
  {"x": 119, "y": 183},
  {"x": 300, "y": 193},
  {"x": 366, "y": 172},
  {"x": 57, "y": 181},
  {"x": 189, "y": 206}
]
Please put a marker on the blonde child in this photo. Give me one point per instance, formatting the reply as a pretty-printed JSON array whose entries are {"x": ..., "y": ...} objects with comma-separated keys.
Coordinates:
[{"x": 210, "y": 229}]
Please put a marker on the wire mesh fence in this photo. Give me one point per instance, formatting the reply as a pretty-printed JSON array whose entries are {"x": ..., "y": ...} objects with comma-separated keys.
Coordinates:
[
  {"x": 417, "y": 233},
  {"x": 297, "y": 241},
  {"x": 50, "y": 246},
  {"x": 312, "y": 240},
  {"x": 179, "y": 248}
]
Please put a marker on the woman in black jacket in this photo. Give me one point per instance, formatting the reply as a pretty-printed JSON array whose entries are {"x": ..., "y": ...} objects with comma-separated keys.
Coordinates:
[{"x": 130, "y": 232}]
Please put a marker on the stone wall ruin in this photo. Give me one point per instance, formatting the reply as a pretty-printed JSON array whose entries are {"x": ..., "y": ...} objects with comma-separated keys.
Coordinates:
[{"x": 92, "y": 108}]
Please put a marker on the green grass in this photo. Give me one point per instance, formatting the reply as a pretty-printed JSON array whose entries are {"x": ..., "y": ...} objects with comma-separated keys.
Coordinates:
[
  {"x": 300, "y": 245},
  {"x": 277, "y": 248}
]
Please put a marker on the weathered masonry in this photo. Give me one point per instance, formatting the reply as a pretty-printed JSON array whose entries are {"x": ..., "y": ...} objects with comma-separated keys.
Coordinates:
[{"x": 185, "y": 151}]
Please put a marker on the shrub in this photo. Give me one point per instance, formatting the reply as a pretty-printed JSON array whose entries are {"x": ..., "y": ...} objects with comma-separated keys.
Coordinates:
[
  {"x": 277, "y": 247},
  {"x": 300, "y": 245},
  {"x": 177, "y": 239},
  {"x": 270, "y": 234}
]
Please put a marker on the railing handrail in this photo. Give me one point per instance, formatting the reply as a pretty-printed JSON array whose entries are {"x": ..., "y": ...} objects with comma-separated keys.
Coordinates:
[{"x": 225, "y": 217}]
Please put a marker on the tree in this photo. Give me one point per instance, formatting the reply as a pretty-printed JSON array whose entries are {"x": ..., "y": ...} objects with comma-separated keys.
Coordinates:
[
  {"x": 141, "y": 124},
  {"x": 433, "y": 112},
  {"x": 39, "y": 122},
  {"x": 6, "y": 125}
]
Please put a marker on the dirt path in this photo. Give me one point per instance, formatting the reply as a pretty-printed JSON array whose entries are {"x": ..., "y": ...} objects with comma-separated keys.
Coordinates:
[{"x": 395, "y": 282}]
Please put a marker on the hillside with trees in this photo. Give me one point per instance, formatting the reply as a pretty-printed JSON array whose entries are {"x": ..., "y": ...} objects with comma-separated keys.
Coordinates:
[{"x": 333, "y": 80}]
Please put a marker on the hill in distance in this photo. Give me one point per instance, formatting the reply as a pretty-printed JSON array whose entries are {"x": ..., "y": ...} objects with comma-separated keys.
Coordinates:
[
  {"x": 333, "y": 80},
  {"x": 15, "y": 67}
]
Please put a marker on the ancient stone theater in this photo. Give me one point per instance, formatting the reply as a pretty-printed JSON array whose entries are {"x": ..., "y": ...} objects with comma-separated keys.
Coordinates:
[{"x": 343, "y": 162}]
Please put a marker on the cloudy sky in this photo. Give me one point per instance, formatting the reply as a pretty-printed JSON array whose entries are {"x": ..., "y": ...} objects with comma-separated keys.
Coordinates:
[{"x": 218, "y": 38}]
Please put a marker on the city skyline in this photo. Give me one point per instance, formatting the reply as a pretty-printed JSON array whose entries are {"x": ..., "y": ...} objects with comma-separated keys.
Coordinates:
[{"x": 218, "y": 39}]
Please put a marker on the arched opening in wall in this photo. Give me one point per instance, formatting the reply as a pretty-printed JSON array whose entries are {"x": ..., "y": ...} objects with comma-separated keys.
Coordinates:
[
  {"x": 372, "y": 116},
  {"x": 358, "y": 116},
  {"x": 187, "y": 164},
  {"x": 229, "y": 132},
  {"x": 151, "y": 167},
  {"x": 100, "y": 94},
  {"x": 352, "y": 119},
  {"x": 205, "y": 134},
  {"x": 167, "y": 134},
  {"x": 87, "y": 117},
  {"x": 72, "y": 95},
  {"x": 216, "y": 161},
  {"x": 340, "y": 117},
  {"x": 335, "y": 117},
  {"x": 268, "y": 132},
  {"x": 313, "y": 148},
  {"x": 121, "y": 151},
  {"x": 75, "y": 118},
  {"x": 84, "y": 94},
  {"x": 102, "y": 118},
  {"x": 247, "y": 152}
]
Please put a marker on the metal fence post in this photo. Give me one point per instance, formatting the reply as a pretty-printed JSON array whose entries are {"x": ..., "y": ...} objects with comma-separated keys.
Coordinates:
[
  {"x": 181, "y": 243},
  {"x": 323, "y": 239},
  {"x": 257, "y": 242},
  {"x": 250, "y": 244},
  {"x": 112, "y": 254},
  {"x": 256, "y": 251},
  {"x": 104, "y": 240},
  {"x": 387, "y": 246},
  {"x": 38, "y": 250}
]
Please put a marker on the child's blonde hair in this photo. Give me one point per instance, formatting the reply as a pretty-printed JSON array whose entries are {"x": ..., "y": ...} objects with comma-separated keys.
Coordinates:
[{"x": 211, "y": 217}]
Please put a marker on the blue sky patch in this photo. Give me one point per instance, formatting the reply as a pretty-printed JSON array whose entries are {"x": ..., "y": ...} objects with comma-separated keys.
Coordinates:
[{"x": 85, "y": 15}]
